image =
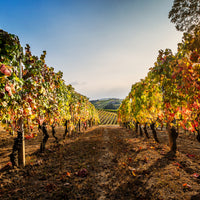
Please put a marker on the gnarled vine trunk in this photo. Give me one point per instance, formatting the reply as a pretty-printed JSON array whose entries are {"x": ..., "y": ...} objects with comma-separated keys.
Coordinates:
[
  {"x": 90, "y": 123},
  {"x": 54, "y": 132},
  {"x": 66, "y": 129},
  {"x": 85, "y": 125},
  {"x": 152, "y": 125},
  {"x": 173, "y": 135},
  {"x": 198, "y": 134},
  {"x": 136, "y": 127},
  {"x": 145, "y": 131},
  {"x": 15, "y": 149},
  {"x": 141, "y": 132},
  {"x": 45, "y": 138},
  {"x": 79, "y": 125}
]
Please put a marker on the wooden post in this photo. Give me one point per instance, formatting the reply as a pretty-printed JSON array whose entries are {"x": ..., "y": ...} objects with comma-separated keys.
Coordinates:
[{"x": 21, "y": 149}]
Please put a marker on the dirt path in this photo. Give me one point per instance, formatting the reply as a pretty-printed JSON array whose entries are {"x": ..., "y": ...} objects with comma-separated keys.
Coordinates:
[
  {"x": 107, "y": 162},
  {"x": 104, "y": 162},
  {"x": 107, "y": 178}
]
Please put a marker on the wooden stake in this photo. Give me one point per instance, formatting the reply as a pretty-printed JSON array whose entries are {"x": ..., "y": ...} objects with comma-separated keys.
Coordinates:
[{"x": 21, "y": 149}]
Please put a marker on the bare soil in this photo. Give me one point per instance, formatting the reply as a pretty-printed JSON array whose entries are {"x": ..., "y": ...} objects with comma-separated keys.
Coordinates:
[{"x": 106, "y": 162}]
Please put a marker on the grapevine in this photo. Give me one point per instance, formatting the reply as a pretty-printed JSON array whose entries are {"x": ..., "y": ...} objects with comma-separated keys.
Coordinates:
[
  {"x": 169, "y": 94},
  {"x": 39, "y": 97}
]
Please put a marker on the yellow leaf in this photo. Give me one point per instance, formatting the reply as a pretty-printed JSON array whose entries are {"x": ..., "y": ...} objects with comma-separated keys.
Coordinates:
[
  {"x": 33, "y": 116},
  {"x": 133, "y": 173}
]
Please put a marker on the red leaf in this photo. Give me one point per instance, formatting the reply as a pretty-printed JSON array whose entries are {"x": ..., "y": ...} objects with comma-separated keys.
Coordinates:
[
  {"x": 4, "y": 70},
  {"x": 196, "y": 175},
  {"x": 177, "y": 164},
  {"x": 185, "y": 185},
  {"x": 190, "y": 155}
]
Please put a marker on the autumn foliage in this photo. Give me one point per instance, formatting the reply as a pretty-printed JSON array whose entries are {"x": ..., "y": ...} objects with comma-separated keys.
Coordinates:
[
  {"x": 170, "y": 92},
  {"x": 36, "y": 93}
]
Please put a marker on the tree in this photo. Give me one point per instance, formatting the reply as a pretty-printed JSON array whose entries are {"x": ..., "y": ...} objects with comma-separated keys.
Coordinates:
[{"x": 185, "y": 14}]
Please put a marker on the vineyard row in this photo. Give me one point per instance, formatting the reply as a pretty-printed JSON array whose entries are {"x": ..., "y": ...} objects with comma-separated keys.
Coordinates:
[
  {"x": 169, "y": 94},
  {"x": 33, "y": 94},
  {"x": 107, "y": 118}
]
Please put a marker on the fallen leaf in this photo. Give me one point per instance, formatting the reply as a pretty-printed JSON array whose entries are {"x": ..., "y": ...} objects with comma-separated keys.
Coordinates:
[
  {"x": 185, "y": 185},
  {"x": 190, "y": 155},
  {"x": 196, "y": 175},
  {"x": 178, "y": 164},
  {"x": 133, "y": 173},
  {"x": 132, "y": 169},
  {"x": 68, "y": 174}
]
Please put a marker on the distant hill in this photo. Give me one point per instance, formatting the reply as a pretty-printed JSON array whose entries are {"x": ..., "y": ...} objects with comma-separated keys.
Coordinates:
[{"x": 106, "y": 103}]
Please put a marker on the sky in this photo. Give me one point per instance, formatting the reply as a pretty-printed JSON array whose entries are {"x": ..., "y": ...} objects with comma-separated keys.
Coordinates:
[{"x": 101, "y": 46}]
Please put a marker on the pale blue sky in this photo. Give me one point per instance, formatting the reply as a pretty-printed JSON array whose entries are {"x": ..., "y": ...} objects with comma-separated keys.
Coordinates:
[{"x": 102, "y": 46}]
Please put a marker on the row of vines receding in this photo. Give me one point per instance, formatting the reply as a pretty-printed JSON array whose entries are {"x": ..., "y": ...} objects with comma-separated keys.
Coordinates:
[
  {"x": 107, "y": 118},
  {"x": 169, "y": 94},
  {"x": 33, "y": 94}
]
